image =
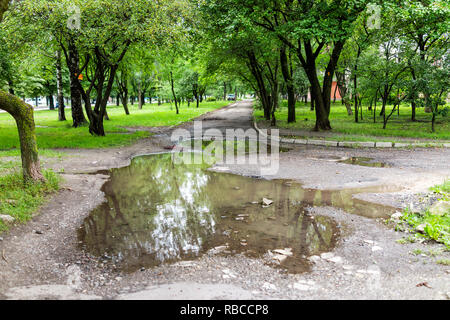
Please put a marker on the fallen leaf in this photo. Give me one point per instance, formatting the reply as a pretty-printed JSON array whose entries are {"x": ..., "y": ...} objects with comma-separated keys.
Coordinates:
[{"x": 423, "y": 284}]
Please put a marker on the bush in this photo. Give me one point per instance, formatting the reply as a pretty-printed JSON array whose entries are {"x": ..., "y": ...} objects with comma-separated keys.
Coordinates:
[{"x": 211, "y": 99}]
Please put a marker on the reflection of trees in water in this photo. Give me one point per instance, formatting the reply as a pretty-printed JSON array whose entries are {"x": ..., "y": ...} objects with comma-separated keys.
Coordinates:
[
  {"x": 157, "y": 211},
  {"x": 154, "y": 211}
]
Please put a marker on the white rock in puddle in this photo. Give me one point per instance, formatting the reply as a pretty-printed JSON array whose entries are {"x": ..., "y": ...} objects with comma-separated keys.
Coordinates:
[
  {"x": 269, "y": 286},
  {"x": 217, "y": 250},
  {"x": 285, "y": 252},
  {"x": 376, "y": 248},
  {"x": 327, "y": 255},
  {"x": 369, "y": 241},
  {"x": 279, "y": 257},
  {"x": 267, "y": 202},
  {"x": 314, "y": 259}
]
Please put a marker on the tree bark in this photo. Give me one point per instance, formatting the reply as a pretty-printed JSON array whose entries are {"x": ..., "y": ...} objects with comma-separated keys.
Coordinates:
[
  {"x": 59, "y": 86},
  {"x": 255, "y": 69},
  {"x": 173, "y": 92},
  {"x": 51, "y": 102},
  {"x": 289, "y": 84},
  {"x": 75, "y": 93},
  {"x": 23, "y": 115},
  {"x": 195, "y": 93}
]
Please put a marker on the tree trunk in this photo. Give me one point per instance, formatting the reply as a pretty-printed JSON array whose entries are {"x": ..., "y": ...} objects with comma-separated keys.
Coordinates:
[
  {"x": 59, "y": 88},
  {"x": 289, "y": 84},
  {"x": 322, "y": 120},
  {"x": 51, "y": 102},
  {"x": 173, "y": 92},
  {"x": 263, "y": 94},
  {"x": 23, "y": 115},
  {"x": 75, "y": 93},
  {"x": 195, "y": 93},
  {"x": 224, "y": 91},
  {"x": 125, "y": 102},
  {"x": 140, "y": 100},
  {"x": 433, "y": 120}
]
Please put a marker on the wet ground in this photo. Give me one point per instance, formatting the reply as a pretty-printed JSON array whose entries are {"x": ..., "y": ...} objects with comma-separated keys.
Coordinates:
[
  {"x": 158, "y": 211},
  {"x": 314, "y": 196}
]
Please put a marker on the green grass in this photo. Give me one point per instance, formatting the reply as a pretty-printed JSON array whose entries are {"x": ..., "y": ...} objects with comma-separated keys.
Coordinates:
[
  {"x": 19, "y": 199},
  {"x": 443, "y": 190},
  {"x": 444, "y": 262},
  {"x": 345, "y": 128},
  {"x": 54, "y": 134},
  {"x": 436, "y": 227}
]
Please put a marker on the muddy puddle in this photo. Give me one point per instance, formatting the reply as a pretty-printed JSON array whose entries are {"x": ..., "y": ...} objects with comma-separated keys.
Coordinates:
[
  {"x": 158, "y": 212},
  {"x": 365, "y": 162}
]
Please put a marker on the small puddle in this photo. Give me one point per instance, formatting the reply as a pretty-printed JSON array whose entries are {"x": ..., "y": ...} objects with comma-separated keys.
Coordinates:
[
  {"x": 238, "y": 145},
  {"x": 366, "y": 162},
  {"x": 160, "y": 212}
]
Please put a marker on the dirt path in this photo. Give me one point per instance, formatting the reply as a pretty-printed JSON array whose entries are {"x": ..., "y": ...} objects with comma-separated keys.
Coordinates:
[{"x": 367, "y": 263}]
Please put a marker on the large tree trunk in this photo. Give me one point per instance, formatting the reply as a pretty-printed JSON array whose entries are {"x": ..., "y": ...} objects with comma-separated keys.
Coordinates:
[
  {"x": 289, "y": 85},
  {"x": 75, "y": 93},
  {"x": 59, "y": 86},
  {"x": 322, "y": 94},
  {"x": 322, "y": 120},
  {"x": 23, "y": 114}
]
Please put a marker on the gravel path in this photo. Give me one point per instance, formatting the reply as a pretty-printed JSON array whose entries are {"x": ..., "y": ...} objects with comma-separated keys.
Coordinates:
[{"x": 367, "y": 263}]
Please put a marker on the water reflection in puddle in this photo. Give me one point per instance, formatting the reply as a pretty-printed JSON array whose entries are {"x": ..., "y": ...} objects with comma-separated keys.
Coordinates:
[
  {"x": 157, "y": 211},
  {"x": 366, "y": 162}
]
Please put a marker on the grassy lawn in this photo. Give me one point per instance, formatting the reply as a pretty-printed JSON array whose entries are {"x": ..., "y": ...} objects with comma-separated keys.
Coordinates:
[
  {"x": 345, "y": 128},
  {"x": 52, "y": 133}
]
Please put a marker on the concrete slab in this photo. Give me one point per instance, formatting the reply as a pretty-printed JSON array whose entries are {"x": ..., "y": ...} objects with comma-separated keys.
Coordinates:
[{"x": 383, "y": 144}]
